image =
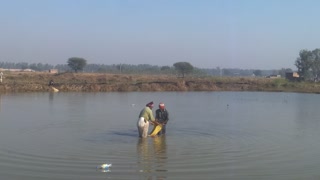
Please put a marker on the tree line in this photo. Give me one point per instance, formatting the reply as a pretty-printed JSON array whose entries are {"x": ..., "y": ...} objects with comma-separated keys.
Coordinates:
[{"x": 77, "y": 64}]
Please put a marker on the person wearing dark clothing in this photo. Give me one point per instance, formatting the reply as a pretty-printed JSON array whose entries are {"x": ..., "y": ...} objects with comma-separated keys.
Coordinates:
[
  {"x": 51, "y": 83},
  {"x": 162, "y": 117}
]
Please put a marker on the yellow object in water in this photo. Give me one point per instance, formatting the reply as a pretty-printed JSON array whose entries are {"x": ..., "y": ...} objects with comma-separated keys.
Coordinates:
[
  {"x": 156, "y": 129},
  {"x": 54, "y": 89}
]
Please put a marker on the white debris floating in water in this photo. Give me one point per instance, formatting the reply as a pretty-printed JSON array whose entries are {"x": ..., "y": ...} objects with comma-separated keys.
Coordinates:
[{"x": 104, "y": 166}]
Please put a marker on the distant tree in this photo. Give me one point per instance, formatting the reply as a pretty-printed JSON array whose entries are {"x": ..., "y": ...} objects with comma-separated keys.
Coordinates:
[
  {"x": 62, "y": 67},
  {"x": 308, "y": 64},
  {"x": 40, "y": 66},
  {"x": 165, "y": 68},
  {"x": 199, "y": 72},
  {"x": 120, "y": 68},
  {"x": 76, "y": 63},
  {"x": 315, "y": 68},
  {"x": 22, "y": 65},
  {"x": 226, "y": 72},
  {"x": 219, "y": 71},
  {"x": 34, "y": 67},
  {"x": 257, "y": 72},
  {"x": 183, "y": 68},
  {"x": 101, "y": 70},
  {"x": 304, "y": 63}
]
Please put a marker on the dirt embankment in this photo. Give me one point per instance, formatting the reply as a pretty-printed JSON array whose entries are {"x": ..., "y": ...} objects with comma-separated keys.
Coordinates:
[{"x": 99, "y": 82}]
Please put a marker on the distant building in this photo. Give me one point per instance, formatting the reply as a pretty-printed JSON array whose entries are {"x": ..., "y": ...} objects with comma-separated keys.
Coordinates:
[
  {"x": 292, "y": 76},
  {"x": 274, "y": 76}
]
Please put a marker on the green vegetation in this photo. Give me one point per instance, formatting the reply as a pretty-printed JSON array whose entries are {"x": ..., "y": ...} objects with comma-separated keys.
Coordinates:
[
  {"x": 183, "y": 68},
  {"x": 308, "y": 64},
  {"x": 77, "y": 64}
]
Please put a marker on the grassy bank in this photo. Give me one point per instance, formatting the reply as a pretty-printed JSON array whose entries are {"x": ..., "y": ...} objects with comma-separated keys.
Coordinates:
[{"x": 100, "y": 82}]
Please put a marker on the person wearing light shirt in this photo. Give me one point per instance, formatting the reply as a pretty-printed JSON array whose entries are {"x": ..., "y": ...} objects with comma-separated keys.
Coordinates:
[{"x": 145, "y": 116}]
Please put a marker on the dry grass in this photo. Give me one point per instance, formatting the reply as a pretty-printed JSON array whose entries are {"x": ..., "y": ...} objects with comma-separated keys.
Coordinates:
[{"x": 101, "y": 82}]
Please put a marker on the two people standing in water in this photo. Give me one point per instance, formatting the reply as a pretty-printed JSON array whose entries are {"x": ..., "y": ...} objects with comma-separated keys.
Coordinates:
[{"x": 146, "y": 115}]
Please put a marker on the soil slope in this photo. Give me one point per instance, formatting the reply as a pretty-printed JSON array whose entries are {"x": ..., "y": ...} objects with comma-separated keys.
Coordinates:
[{"x": 101, "y": 82}]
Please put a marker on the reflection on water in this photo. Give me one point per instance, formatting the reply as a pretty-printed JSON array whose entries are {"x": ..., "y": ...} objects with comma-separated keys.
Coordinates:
[
  {"x": 160, "y": 151},
  {"x": 144, "y": 155},
  {"x": 51, "y": 95},
  {"x": 152, "y": 157}
]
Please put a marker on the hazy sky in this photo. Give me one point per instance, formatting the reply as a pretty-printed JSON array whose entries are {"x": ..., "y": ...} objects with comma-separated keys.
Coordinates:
[{"x": 247, "y": 34}]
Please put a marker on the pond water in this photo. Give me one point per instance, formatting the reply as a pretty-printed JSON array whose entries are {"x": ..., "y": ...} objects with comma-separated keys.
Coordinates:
[{"x": 210, "y": 135}]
